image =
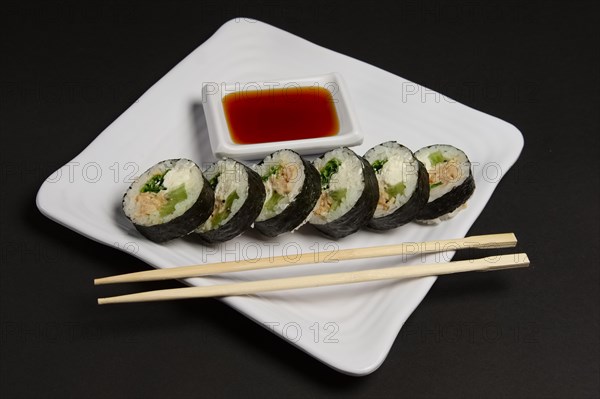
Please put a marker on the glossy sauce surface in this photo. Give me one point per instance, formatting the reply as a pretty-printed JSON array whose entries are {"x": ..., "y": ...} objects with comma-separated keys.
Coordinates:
[{"x": 280, "y": 114}]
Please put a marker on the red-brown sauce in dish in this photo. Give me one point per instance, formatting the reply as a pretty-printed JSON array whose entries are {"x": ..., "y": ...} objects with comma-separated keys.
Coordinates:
[{"x": 263, "y": 116}]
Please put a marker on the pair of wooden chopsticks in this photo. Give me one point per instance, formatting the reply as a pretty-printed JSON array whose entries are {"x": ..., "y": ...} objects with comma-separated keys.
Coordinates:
[{"x": 499, "y": 262}]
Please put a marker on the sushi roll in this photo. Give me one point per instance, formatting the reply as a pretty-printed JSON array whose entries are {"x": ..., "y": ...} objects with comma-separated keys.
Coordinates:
[
  {"x": 403, "y": 185},
  {"x": 293, "y": 187},
  {"x": 451, "y": 182},
  {"x": 239, "y": 198},
  {"x": 349, "y": 196},
  {"x": 169, "y": 200}
]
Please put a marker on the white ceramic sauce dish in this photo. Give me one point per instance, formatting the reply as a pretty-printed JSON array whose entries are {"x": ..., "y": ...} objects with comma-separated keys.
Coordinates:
[{"x": 223, "y": 144}]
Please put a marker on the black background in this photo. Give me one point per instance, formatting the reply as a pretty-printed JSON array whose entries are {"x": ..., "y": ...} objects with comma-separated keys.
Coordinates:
[{"x": 68, "y": 70}]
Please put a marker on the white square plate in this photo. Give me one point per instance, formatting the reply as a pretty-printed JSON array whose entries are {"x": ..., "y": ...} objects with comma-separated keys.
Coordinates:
[{"x": 350, "y": 328}]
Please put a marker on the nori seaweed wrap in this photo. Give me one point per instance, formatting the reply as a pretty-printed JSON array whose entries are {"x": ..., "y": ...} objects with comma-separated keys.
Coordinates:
[
  {"x": 293, "y": 187},
  {"x": 350, "y": 193},
  {"x": 450, "y": 180},
  {"x": 169, "y": 200},
  {"x": 403, "y": 185},
  {"x": 239, "y": 198}
]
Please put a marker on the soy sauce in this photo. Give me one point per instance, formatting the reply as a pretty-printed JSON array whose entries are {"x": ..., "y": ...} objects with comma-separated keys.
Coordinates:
[{"x": 294, "y": 113}]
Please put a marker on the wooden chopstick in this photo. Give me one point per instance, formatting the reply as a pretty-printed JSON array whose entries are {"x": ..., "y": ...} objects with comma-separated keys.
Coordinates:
[
  {"x": 252, "y": 287},
  {"x": 504, "y": 240}
]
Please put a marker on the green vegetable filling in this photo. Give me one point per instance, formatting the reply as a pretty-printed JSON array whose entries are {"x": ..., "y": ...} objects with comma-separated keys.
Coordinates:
[
  {"x": 155, "y": 183},
  {"x": 436, "y": 157},
  {"x": 396, "y": 189},
  {"x": 338, "y": 196},
  {"x": 331, "y": 167},
  {"x": 174, "y": 197},
  {"x": 434, "y": 185},
  {"x": 378, "y": 164},
  {"x": 273, "y": 201},
  {"x": 273, "y": 170},
  {"x": 214, "y": 181},
  {"x": 224, "y": 214}
]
